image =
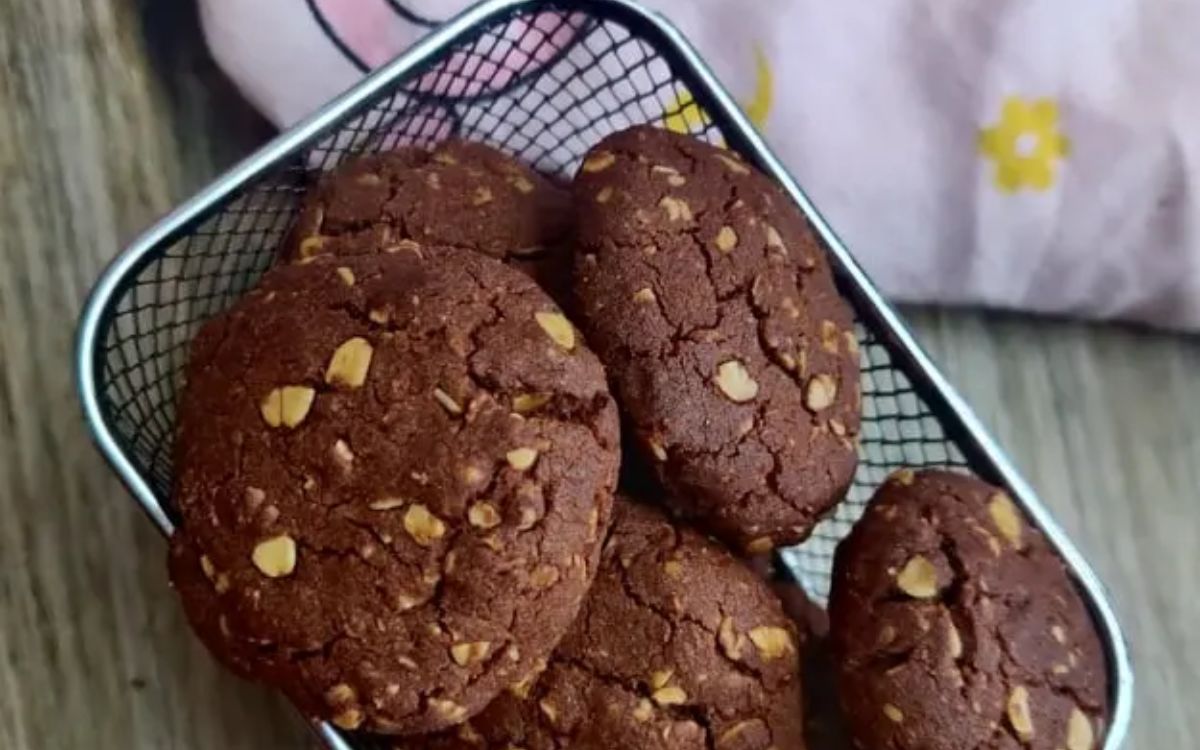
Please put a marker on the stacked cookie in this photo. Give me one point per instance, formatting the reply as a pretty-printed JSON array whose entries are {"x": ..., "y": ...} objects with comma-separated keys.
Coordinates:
[
  {"x": 397, "y": 468},
  {"x": 731, "y": 353},
  {"x": 954, "y": 625}
]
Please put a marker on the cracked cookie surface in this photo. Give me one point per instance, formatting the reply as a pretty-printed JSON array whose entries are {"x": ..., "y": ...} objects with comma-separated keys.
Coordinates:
[
  {"x": 460, "y": 194},
  {"x": 955, "y": 626},
  {"x": 679, "y": 645},
  {"x": 394, "y": 476},
  {"x": 715, "y": 313}
]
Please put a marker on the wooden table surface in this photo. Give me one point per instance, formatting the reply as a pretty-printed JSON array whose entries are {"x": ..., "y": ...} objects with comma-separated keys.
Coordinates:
[{"x": 110, "y": 112}]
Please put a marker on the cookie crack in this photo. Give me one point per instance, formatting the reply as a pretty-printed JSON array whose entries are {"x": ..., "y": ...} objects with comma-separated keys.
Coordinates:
[
  {"x": 672, "y": 617},
  {"x": 324, "y": 651},
  {"x": 661, "y": 612},
  {"x": 569, "y": 408},
  {"x": 635, "y": 690},
  {"x": 380, "y": 538},
  {"x": 656, "y": 272},
  {"x": 692, "y": 162}
]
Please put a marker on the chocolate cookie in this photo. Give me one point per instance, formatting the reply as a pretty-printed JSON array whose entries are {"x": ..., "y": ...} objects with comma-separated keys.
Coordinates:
[
  {"x": 678, "y": 645},
  {"x": 460, "y": 194},
  {"x": 713, "y": 308},
  {"x": 954, "y": 626},
  {"x": 394, "y": 474}
]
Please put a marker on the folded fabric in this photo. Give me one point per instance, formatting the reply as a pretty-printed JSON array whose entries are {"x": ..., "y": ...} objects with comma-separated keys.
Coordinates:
[{"x": 1041, "y": 155}]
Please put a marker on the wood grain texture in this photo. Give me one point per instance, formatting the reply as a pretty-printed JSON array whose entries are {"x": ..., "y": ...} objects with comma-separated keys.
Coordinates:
[
  {"x": 100, "y": 131},
  {"x": 110, "y": 113}
]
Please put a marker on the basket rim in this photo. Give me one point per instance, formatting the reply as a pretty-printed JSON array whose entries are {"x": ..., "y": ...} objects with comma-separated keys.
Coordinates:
[{"x": 965, "y": 426}]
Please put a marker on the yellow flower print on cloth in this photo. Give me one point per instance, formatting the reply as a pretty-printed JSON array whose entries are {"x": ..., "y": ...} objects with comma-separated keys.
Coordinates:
[
  {"x": 1025, "y": 144},
  {"x": 684, "y": 115}
]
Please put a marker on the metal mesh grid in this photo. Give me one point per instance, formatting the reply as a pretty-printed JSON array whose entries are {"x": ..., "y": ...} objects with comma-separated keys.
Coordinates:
[{"x": 543, "y": 86}]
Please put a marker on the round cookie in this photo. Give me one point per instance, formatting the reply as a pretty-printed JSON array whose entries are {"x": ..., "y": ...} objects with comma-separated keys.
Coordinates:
[
  {"x": 678, "y": 646},
  {"x": 394, "y": 474},
  {"x": 190, "y": 579},
  {"x": 714, "y": 311},
  {"x": 954, "y": 626},
  {"x": 461, "y": 194}
]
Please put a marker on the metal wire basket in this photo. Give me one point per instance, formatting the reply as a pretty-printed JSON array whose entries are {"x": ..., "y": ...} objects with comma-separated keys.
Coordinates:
[{"x": 543, "y": 80}]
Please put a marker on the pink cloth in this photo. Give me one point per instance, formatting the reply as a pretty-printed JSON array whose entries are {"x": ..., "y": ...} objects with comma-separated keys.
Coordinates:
[{"x": 1041, "y": 155}]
